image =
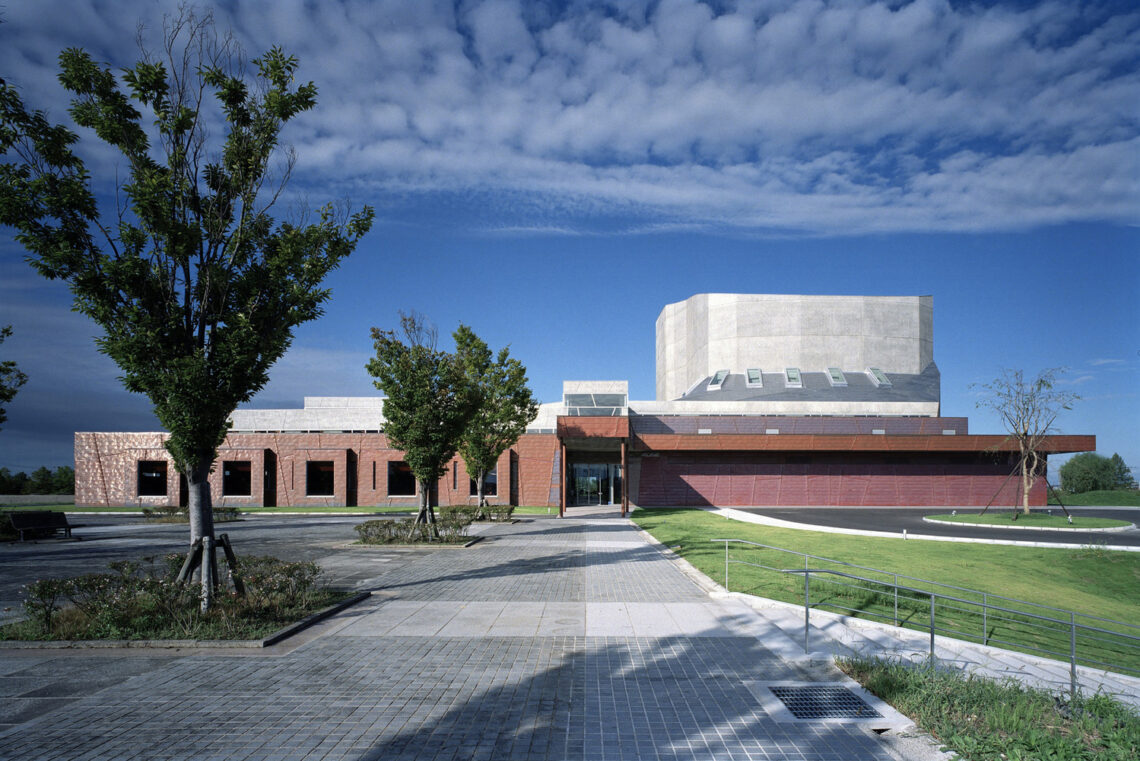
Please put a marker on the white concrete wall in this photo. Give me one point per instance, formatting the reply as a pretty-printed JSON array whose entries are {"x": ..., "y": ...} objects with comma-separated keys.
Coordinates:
[{"x": 717, "y": 331}]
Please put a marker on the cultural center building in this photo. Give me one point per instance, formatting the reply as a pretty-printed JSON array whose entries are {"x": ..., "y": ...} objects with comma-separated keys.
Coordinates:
[{"x": 760, "y": 400}]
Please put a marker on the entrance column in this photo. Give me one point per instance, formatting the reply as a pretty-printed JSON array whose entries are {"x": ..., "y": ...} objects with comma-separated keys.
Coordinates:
[
  {"x": 624, "y": 480},
  {"x": 561, "y": 478}
]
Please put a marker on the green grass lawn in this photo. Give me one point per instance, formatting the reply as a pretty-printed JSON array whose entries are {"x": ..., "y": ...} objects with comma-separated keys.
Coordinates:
[
  {"x": 986, "y": 719},
  {"x": 1104, "y": 498},
  {"x": 1032, "y": 520},
  {"x": 1092, "y": 581}
]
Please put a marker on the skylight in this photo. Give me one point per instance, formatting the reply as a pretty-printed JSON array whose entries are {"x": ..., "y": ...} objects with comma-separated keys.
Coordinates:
[
  {"x": 835, "y": 375},
  {"x": 792, "y": 378},
  {"x": 717, "y": 380},
  {"x": 755, "y": 378},
  {"x": 878, "y": 377}
]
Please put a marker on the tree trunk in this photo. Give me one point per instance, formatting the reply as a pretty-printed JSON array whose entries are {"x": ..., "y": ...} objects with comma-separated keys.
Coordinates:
[
  {"x": 200, "y": 509},
  {"x": 479, "y": 487},
  {"x": 1025, "y": 484}
]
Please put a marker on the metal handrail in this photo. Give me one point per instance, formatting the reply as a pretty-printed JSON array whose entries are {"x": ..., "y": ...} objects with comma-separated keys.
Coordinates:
[
  {"x": 990, "y": 595},
  {"x": 1021, "y": 617}
]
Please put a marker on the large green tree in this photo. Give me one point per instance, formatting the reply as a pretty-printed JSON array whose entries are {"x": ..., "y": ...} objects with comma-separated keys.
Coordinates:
[
  {"x": 196, "y": 287},
  {"x": 10, "y": 376},
  {"x": 506, "y": 406},
  {"x": 428, "y": 402},
  {"x": 1027, "y": 409},
  {"x": 1090, "y": 471}
]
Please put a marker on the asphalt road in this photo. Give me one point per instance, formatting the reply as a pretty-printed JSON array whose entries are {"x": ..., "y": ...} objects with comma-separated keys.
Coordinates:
[{"x": 894, "y": 520}]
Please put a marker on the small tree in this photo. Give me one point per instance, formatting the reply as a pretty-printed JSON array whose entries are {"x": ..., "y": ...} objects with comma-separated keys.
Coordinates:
[
  {"x": 428, "y": 401},
  {"x": 1028, "y": 410},
  {"x": 10, "y": 377},
  {"x": 196, "y": 287},
  {"x": 1121, "y": 473},
  {"x": 63, "y": 480},
  {"x": 506, "y": 406}
]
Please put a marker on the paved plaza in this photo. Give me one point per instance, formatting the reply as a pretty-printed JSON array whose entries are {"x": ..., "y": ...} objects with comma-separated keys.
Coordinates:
[{"x": 577, "y": 638}]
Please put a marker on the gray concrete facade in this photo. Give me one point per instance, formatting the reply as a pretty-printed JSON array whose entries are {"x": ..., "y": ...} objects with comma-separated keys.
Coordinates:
[{"x": 717, "y": 331}]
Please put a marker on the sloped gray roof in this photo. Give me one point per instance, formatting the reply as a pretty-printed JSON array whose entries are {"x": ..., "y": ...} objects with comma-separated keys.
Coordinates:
[{"x": 925, "y": 387}]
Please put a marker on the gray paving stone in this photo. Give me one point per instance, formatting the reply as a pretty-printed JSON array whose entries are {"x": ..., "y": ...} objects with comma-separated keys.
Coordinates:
[{"x": 547, "y": 640}]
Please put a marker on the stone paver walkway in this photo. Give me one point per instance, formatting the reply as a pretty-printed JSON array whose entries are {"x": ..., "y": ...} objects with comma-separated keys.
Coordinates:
[{"x": 549, "y": 639}]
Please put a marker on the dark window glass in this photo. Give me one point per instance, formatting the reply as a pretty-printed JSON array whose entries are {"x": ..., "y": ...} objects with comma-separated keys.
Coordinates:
[
  {"x": 401, "y": 482},
  {"x": 490, "y": 484},
  {"x": 237, "y": 478},
  {"x": 319, "y": 478},
  {"x": 152, "y": 478}
]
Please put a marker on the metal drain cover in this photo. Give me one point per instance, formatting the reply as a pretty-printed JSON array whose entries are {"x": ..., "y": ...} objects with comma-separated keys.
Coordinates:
[
  {"x": 820, "y": 701},
  {"x": 838, "y": 702}
]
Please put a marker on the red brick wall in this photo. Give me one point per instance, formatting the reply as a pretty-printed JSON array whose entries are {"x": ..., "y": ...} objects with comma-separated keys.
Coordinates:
[
  {"x": 106, "y": 466},
  {"x": 737, "y": 479},
  {"x": 538, "y": 472}
]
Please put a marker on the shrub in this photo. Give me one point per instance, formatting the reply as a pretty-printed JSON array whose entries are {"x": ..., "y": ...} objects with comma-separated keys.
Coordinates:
[
  {"x": 133, "y": 601},
  {"x": 452, "y": 529},
  {"x": 173, "y": 514},
  {"x": 474, "y": 513}
]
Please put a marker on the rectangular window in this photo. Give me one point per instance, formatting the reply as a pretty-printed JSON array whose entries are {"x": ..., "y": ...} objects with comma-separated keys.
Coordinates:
[
  {"x": 490, "y": 484},
  {"x": 237, "y": 478},
  {"x": 792, "y": 378},
  {"x": 454, "y": 476},
  {"x": 152, "y": 478},
  {"x": 319, "y": 478},
  {"x": 717, "y": 380},
  {"x": 401, "y": 482},
  {"x": 835, "y": 375},
  {"x": 755, "y": 378}
]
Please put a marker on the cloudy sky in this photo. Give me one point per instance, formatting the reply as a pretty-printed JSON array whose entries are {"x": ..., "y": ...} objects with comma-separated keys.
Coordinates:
[{"x": 554, "y": 173}]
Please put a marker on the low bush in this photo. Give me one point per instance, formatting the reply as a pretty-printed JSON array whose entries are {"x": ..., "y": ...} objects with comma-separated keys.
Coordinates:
[
  {"x": 451, "y": 529},
  {"x": 474, "y": 513},
  {"x": 143, "y": 600},
  {"x": 7, "y": 533},
  {"x": 985, "y": 719},
  {"x": 173, "y": 514}
]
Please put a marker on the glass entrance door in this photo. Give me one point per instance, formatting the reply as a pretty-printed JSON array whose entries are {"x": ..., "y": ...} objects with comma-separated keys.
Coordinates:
[{"x": 594, "y": 483}]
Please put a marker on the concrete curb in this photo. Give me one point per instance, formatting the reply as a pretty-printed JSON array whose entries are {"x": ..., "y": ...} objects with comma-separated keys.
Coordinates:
[
  {"x": 203, "y": 644},
  {"x": 740, "y": 515}
]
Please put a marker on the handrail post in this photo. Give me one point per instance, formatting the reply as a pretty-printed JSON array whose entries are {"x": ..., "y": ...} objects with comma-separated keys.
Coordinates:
[
  {"x": 1072, "y": 656},
  {"x": 896, "y": 599},
  {"x": 726, "y": 567},
  {"x": 985, "y": 619},
  {"x": 932, "y": 629},
  {"x": 807, "y": 607}
]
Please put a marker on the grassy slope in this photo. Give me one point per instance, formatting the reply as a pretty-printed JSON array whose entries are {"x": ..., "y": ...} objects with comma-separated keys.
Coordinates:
[
  {"x": 1100, "y": 583},
  {"x": 1033, "y": 520},
  {"x": 1129, "y": 498}
]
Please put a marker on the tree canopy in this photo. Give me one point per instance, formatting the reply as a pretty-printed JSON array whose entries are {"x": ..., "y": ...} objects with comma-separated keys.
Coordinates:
[
  {"x": 1027, "y": 409},
  {"x": 1090, "y": 471},
  {"x": 10, "y": 377},
  {"x": 196, "y": 287},
  {"x": 506, "y": 405},
  {"x": 428, "y": 399}
]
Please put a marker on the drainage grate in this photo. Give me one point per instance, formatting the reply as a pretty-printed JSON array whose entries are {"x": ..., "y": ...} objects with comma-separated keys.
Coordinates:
[{"x": 823, "y": 702}]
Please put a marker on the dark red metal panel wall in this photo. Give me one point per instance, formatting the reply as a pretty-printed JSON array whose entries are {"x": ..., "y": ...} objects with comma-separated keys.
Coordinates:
[{"x": 737, "y": 480}]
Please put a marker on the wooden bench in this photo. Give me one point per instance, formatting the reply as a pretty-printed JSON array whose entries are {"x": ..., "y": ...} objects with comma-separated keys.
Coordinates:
[{"x": 37, "y": 521}]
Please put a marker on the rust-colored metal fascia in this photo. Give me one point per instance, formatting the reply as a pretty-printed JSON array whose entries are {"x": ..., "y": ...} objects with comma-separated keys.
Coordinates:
[
  {"x": 575, "y": 427},
  {"x": 851, "y": 443}
]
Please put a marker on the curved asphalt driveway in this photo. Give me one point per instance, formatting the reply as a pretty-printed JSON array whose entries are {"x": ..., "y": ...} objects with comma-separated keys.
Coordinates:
[{"x": 896, "y": 519}]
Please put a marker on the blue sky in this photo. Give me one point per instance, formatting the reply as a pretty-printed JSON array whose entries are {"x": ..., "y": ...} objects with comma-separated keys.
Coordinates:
[{"x": 553, "y": 174}]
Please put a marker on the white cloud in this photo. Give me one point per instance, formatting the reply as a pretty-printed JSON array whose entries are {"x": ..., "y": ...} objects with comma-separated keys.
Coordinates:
[
  {"x": 1099, "y": 362},
  {"x": 855, "y": 117}
]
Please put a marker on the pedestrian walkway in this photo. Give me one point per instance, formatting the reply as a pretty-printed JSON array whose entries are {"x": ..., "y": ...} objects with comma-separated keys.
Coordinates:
[{"x": 549, "y": 639}]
